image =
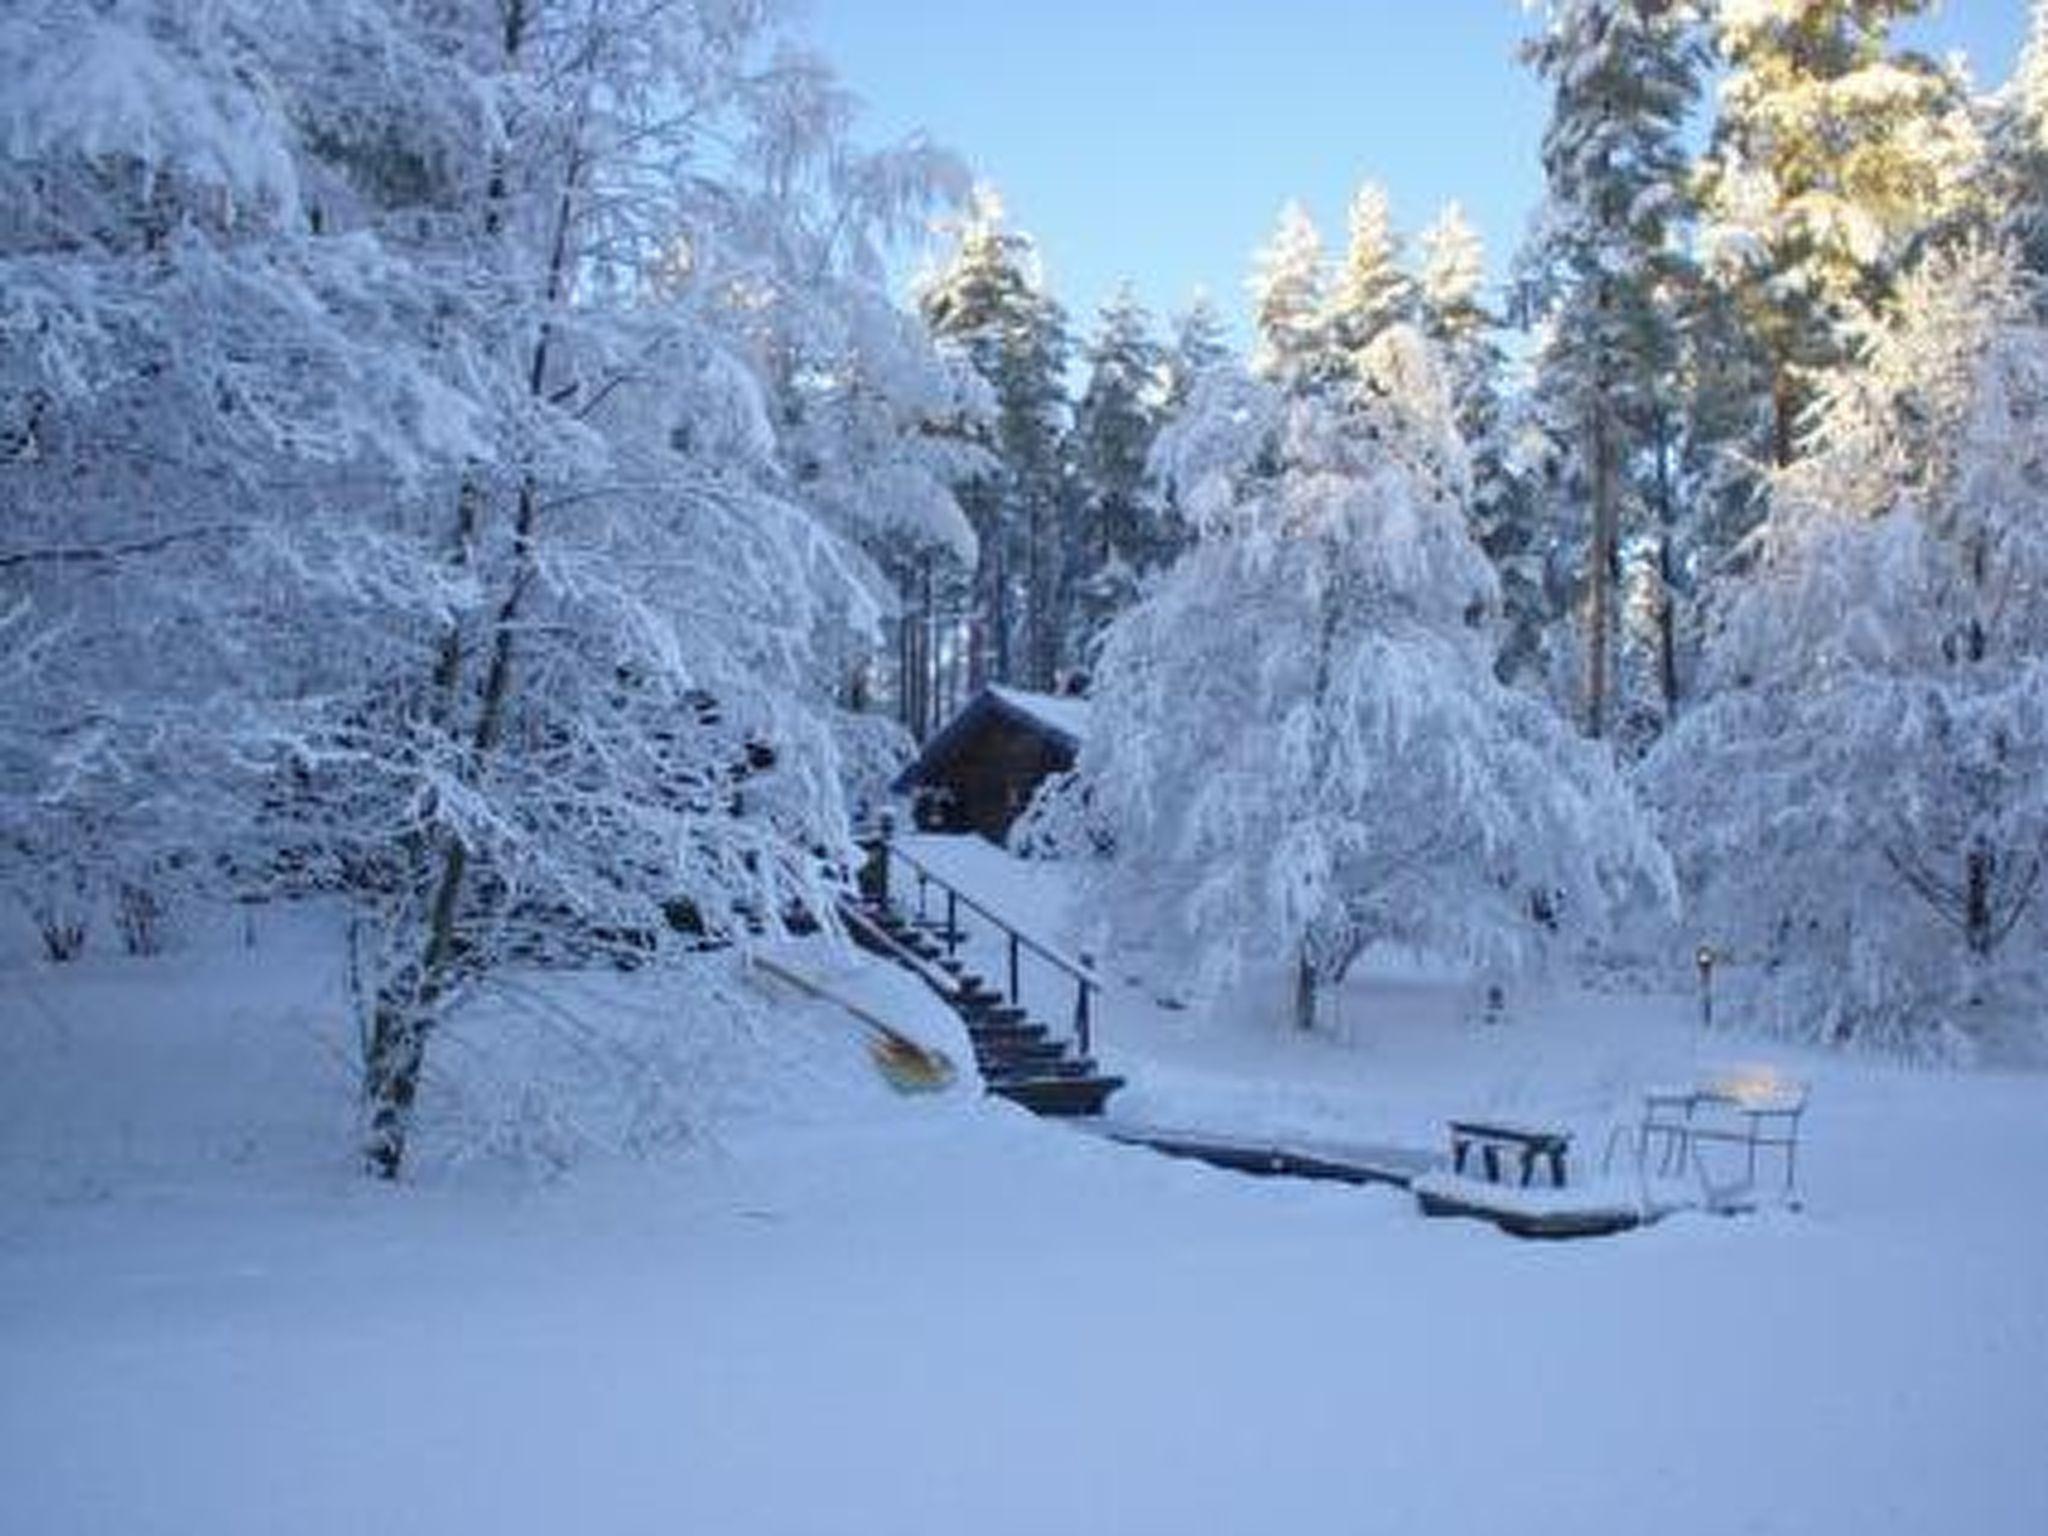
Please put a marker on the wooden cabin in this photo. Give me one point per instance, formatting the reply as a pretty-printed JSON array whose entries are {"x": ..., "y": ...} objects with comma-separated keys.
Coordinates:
[{"x": 979, "y": 772}]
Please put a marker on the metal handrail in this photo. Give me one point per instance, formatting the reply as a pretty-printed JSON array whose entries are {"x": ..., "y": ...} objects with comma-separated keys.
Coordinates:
[{"x": 1085, "y": 981}]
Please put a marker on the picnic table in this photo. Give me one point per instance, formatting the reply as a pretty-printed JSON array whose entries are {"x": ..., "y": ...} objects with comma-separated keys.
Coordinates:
[
  {"x": 1724, "y": 1129},
  {"x": 1530, "y": 1144}
]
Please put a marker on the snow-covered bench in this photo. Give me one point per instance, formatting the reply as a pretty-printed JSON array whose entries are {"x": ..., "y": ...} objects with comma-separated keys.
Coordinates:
[{"x": 1530, "y": 1144}]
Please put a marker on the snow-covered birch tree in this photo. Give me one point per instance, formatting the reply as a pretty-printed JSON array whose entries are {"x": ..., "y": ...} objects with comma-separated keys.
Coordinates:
[
  {"x": 1312, "y": 751},
  {"x": 391, "y": 485}
]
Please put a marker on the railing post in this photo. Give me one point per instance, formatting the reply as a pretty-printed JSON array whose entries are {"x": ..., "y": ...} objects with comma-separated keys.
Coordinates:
[
  {"x": 952, "y": 920},
  {"x": 874, "y": 878},
  {"x": 922, "y": 882},
  {"x": 1013, "y": 965},
  {"x": 1082, "y": 1033}
]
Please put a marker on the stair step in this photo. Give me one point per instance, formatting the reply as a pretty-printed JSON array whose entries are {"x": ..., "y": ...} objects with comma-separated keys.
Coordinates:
[
  {"x": 1011, "y": 1071},
  {"x": 992, "y": 1015},
  {"x": 1059, "y": 1095},
  {"x": 995, "y": 1036},
  {"x": 1026, "y": 1062}
]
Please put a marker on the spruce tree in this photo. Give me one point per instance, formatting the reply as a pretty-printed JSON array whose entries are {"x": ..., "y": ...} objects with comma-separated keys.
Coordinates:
[
  {"x": 2020, "y": 150},
  {"x": 1371, "y": 291},
  {"x": 1199, "y": 343},
  {"x": 989, "y": 305},
  {"x": 1452, "y": 312},
  {"x": 1118, "y": 537},
  {"x": 1288, "y": 287}
]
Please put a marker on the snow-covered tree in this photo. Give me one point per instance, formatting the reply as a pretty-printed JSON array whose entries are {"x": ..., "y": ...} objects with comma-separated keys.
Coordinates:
[
  {"x": 988, "y": 304},
  {"x": 1120, "y": 535},
  {"x": 1832, "y": 154},
  {"x": 874, "y": 425},
  {"x": 2019, "y": 146},
  {"x": 1605, "y": 265},
  {"x": 1199, "y": 342},
  {"x": 1860, "y": 808},
  {"x": 191, "y": 383},
  {"x": 1451, "y": 309},
  {"x": 1371, "y": 290},
  {"x": 1289, "y": 286},
  {"x": 1312, "y": 751},
  {"x": 391, "y": 496}
]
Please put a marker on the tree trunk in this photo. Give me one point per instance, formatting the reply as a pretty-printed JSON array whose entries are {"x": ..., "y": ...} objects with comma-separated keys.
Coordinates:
[
  {"x": 1784, "y": 412},
  {"x": 1600, "y": 563},
  {"x": 1667, "y": 631},
  {"x": 1979, "y": 928},
  {"x": 408, "y": 1005},
  {"x": 1304, "y": 990}
]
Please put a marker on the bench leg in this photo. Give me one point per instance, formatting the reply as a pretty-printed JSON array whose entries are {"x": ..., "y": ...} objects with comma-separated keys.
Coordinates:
[
  {"x": 1557, "y": 1167},
  {"x": 1459, "y": 1147},
  {"x": 1491, "y": 1154}
]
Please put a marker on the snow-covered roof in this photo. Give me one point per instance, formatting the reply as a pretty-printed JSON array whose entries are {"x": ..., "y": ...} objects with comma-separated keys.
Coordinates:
[
  {"x": 1059, "y": 719},
  {"x": 1063, "y": 714}
]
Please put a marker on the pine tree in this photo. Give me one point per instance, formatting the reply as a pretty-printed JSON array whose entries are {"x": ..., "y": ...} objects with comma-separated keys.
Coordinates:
[
  {"x": 1831, "y": 157},
  {"x": 989, "y": 305},
  {"x": 1605, "y": 265}
]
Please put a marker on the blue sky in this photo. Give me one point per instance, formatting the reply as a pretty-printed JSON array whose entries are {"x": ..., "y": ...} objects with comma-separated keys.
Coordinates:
[{"x": 1157, "y": 139}]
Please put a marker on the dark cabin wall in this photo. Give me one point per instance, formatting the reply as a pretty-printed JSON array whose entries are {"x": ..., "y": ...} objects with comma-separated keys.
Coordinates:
[{"x": 993, "y": 772}]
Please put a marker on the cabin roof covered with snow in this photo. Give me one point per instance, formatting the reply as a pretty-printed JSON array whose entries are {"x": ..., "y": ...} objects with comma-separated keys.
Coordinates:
[
  {"x": 994, "y": 753},
  {"x": 1062, "y": 714}
]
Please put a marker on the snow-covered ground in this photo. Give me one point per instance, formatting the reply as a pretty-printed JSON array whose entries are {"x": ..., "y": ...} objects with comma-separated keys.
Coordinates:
[{"x": 656, "y": 1274}]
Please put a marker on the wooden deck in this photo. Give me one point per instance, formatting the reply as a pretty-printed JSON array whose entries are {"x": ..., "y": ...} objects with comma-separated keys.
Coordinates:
[
  {"x": 1538, "y": 1213},
  {"x": 1287, "y": 1159},
  {"x": 1528, "y": 1212}
]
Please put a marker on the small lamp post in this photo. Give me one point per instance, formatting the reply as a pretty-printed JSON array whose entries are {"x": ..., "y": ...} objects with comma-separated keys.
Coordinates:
[{"x": 1704, "y": 957}]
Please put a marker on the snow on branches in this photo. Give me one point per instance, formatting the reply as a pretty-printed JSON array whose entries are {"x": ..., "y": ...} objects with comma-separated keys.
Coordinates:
[
  {"x": 1860, "y": 808},
  {"x": 1313, "y": 753}
]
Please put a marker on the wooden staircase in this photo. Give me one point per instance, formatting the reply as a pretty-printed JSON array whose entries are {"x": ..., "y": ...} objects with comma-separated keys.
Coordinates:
[{"x": 1020, "y": 1058}]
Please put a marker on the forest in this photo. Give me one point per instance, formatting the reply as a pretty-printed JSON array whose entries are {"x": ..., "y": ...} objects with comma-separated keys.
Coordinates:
[{"x": 469, "y": 461}]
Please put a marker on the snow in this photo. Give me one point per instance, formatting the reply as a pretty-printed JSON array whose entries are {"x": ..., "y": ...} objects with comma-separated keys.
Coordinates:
[
  {"x": 1064, "y": 713},
  {"x": 822, "y": 1307}
]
